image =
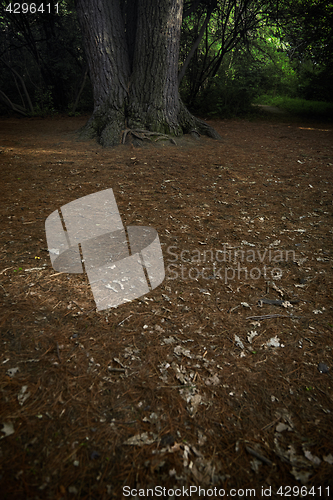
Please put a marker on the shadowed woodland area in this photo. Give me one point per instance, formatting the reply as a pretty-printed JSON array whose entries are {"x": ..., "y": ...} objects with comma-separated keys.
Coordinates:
[{"x": 231, "y": 54}]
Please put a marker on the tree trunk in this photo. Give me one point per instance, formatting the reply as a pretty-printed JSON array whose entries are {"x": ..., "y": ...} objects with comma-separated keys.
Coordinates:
[{"x": 132, "y": 48}]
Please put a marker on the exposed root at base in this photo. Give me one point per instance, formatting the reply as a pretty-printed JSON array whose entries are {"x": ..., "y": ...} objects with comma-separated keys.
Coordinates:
[{"x": 146, "y": 135}]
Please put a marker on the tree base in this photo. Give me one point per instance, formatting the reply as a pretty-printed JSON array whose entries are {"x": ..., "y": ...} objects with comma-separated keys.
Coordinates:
[{"x": 110, "y": 128}]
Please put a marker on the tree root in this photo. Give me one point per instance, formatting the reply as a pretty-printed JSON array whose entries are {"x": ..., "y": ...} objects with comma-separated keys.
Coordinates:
[{"x": 146, "y": 135}]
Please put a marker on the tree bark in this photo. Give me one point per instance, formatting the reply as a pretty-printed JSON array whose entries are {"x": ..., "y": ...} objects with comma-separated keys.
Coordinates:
[{"x": 132, "y": 49}]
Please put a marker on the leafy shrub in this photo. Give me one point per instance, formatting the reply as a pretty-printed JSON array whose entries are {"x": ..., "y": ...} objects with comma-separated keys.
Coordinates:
[
  {"x": 316, "y": 84},
  {"x": 229, "y": 93}
]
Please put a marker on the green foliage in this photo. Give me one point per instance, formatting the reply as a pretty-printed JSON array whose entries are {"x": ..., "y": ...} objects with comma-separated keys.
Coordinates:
[
  {"x": 231, "y": 27},
  {"x": 290, "y": 56},
  {"x": 275, "y": 73},
  {"x": 262, "y": 68},
  {"x": 230, "y": 92},
  {"x": 307, "y": 27}
]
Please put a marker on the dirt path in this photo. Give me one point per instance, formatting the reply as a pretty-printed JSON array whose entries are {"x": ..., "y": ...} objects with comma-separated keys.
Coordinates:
[
  {"x": 271, "y": 109},
  {"x": 211, "y": 379}
]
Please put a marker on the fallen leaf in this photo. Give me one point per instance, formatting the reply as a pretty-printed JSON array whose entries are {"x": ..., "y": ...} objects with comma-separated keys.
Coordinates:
[
  {"x": 141, "y": 439},
  {"x": 23, "y": 395},
  {"x": 7, "y": 429}
]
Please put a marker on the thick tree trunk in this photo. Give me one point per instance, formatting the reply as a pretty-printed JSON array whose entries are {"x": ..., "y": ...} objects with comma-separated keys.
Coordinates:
[{"x": 132, "y": 49}]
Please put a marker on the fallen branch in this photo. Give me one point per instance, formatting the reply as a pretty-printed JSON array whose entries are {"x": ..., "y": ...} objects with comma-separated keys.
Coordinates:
[{"x": 276, "y": 302}]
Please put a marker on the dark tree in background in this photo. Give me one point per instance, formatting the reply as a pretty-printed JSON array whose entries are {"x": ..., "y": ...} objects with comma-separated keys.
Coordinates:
[
  {"x": 41, "y": 61},
  {"x": 213, "y": 30},
  {"x": 230, "y": 52},
  {"x": 132, "y": 48},
  {"x": 307, "y": 27}
]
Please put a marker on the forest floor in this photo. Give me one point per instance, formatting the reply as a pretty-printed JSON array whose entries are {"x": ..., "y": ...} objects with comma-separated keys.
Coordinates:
[{"x": 216, "y": 378}]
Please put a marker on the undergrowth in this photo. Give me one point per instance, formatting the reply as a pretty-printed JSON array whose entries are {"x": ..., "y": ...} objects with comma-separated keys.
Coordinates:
[{"x": 300, "y": 107}]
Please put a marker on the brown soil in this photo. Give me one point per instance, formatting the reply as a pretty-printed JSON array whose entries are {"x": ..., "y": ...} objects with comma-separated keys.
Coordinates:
[{"x": 194, "y": 384}]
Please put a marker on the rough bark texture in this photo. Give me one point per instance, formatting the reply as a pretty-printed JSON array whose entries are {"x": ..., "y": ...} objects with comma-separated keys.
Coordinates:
[{"x": 132, "y": 49}]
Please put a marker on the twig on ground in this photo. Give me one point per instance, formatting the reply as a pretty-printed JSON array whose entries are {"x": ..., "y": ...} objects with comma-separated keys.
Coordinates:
[
  {"x": 269, "y": 316},
  {"x": 77, "y": 305},
  {"x": 7, "y": 268},
  {"x": 123, "y": 321},
  {"x": 233, "y": 309},
  {"x": 268, "y": 426},
  {"x": 58, "y": 353},
  {"x": 258, "y": 456}
]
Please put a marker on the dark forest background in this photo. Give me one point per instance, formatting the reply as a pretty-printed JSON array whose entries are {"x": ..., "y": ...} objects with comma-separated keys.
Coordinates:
[{"x": 234, "y": 53}]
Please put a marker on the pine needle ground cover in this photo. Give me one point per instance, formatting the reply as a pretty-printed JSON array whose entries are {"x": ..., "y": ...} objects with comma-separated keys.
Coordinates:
[{"x": 218, "y": 378}]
